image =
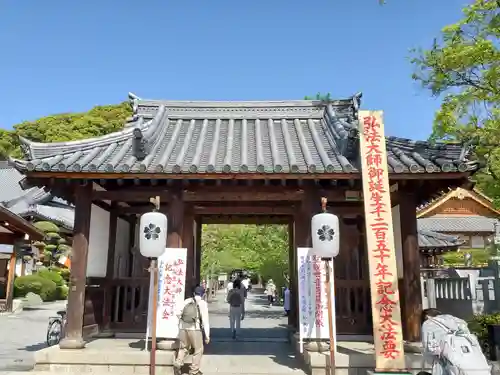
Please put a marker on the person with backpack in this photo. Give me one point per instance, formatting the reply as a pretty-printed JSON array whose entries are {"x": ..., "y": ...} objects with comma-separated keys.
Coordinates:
[
  {"x": 194, "y": 330},
  {"x": 449, "y": 345},
  {"x": 236, "y": 301}
]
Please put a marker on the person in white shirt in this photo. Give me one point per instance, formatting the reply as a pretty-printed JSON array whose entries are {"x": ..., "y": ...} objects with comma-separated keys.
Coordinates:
[
  {"x": 229, "y": 286},
  {"x": 194, "y": 330},
  {"x": 245, "y": 282}
]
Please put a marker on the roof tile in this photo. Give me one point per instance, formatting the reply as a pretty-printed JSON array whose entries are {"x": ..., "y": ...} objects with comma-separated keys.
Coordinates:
[{"x": 237, "y": 137}]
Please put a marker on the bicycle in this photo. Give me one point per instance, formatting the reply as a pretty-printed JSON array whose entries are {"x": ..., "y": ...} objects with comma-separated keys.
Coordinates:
[{"x": 55, "y": 330}]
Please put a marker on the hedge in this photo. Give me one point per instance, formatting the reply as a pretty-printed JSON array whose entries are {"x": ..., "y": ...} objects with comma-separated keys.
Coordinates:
[
  {"x": 45, "y": 288},
  {"x": 52, "y": 275}
]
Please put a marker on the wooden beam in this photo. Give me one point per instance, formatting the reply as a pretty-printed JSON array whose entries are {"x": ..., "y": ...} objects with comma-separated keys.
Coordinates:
[
  {"x": 134, "y": 209},
  {"x": 242, "y": 194},
  {"x": 241, "y": 219},
  {"x": 130, "y": 195},
  {"x": 241, "y": 176},
  {"x": 244, "y": 210},
  {"x": 8, "y": 238}
]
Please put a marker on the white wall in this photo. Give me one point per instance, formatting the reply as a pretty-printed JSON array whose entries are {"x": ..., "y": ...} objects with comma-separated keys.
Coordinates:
[
  {"x": 398, "y": 244},
  {"x": 121, "y": 248},
  {"x": 19, "y": 265},
  {"x": 97, "y": 259}
]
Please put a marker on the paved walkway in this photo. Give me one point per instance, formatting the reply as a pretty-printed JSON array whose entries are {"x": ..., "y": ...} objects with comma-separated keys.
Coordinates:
[
  {"x": 24, "y": 333},
  {"x": 262, "y": 347}
]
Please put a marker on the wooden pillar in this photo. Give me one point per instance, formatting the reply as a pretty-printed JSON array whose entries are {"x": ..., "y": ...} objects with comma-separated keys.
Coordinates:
[
  {"x": 9, "y": 288},
  {"x": 175, "y": 221},
  {"x": 197, "y": 243},
  {"x": 188, "y": 243},
  {"x": 131, "y": 243},
  {"x": 311, "y": 205},
  {"x": 110, "y": 268},
  {"x": 292, "y": 262},
  {"x": 73, "y": 335},
  {"x": 411, "y": 291}
]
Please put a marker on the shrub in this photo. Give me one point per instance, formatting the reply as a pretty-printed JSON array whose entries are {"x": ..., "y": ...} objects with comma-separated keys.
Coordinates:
[
  {"x": 65, "y": 273},
  {"x": 479, "y": 326},
  {"x": 62, "y": 292},
  {"x": 51, "y": 275},
  {"x": 45, "y": 288},
  {"x": 47, "y": 227}
]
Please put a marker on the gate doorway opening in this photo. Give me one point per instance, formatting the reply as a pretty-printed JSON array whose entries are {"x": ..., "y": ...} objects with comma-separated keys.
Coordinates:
[{"x": 260, "y": 253}]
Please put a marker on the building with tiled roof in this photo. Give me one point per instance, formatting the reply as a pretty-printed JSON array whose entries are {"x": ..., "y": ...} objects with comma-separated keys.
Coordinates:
[
  {"x": 34, "y": 203},
  {"x": 467, "y": 214}
]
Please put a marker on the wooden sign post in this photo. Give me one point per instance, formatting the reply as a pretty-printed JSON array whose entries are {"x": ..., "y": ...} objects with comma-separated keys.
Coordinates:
[
  {"x": 331, "y": 334},
  {"x": 386, "y": 312},
  {"x": 153, "y": 268}
]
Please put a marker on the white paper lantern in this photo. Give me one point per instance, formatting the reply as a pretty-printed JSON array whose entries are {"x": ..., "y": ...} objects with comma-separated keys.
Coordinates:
[
  {"x": 153, "y": 232},
  {"x": 325, "y": 235}
]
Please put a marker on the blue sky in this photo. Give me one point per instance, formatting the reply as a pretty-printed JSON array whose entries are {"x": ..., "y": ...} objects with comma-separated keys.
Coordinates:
[{"x": 65, "y": 56}]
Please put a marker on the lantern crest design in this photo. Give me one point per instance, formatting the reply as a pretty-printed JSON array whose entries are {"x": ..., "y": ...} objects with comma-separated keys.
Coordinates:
[
  {"x": 153, "y": 237},
  {"x": 152, "y": 232},
  {"x": 325, "y": 233}
]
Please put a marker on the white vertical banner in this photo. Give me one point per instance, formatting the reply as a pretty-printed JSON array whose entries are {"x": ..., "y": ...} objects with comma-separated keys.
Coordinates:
[
  {"x": 171, "y": 289},
  {"x": 313, "y": 307}
]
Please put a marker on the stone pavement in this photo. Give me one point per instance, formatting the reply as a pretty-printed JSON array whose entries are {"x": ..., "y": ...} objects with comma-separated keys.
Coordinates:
[
  {"x": 262, "y": 347},
  {"x": 24, "y": 333},
  {"x": 262, "y": 322}
]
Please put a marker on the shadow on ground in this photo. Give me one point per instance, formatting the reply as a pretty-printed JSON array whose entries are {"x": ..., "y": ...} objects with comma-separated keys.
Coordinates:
[{"x": 34, "y": 347}]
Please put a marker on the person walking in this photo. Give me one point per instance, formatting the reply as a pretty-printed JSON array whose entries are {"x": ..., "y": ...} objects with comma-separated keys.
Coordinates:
[
  {"x": 229, "y": 286},
  {"x": 194, "y": 330},
  {"x": 236, "y": 301},
  {"x": 270, "y": 291},
  {"x": 246, "y": 283},
  {"x": 286, "y": 301}
]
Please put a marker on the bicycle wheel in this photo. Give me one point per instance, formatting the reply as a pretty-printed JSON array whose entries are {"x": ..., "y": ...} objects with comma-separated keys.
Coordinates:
[{"x": 54, "y": 332}]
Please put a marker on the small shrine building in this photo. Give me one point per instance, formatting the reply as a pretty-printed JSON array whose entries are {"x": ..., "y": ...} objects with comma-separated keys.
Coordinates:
[
  {"x": 466, "y": 213},
  {"x": 232, "y": 162}
]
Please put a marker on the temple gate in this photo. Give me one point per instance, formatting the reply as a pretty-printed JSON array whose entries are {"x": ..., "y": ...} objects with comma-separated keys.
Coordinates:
[{"x": 230, "y": 162}]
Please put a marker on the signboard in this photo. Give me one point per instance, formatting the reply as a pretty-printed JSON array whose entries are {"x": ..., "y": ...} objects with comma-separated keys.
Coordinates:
[
  {"x": 313, "y": 308},
  {"x": 387, "y": 330},
  {"x": 171, "y": 288}
]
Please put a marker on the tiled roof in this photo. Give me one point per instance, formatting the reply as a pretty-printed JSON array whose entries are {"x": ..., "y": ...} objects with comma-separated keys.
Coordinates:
[
  {"x": 237, "y": 137},
  {"x": 64, "y": 216},
  {"x": 34, "y": 201},
  {"x": 10, "y": 178},
  {"x": 459, "y": 193},
  {"x": 428, "y": 239},
  {"x": 457, "y": 224}
]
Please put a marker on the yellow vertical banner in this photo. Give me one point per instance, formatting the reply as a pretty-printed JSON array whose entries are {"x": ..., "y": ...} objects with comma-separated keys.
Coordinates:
[{"x": 386, "y": 312}]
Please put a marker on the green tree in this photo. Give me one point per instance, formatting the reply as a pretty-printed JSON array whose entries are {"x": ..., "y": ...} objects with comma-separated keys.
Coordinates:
[
  {"x": 100, "y": 120},
  {"x": 262, "y": 249},
  {"x": 463, "y": 68},
  {"x": 54, "y": 245},
  {"x": 319, "y": 96}
]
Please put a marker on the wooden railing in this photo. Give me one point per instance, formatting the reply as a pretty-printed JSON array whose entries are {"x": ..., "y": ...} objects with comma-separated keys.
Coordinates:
[
  {"x": 127, "y": 304},
  {"x": 116, "y": 304}
]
